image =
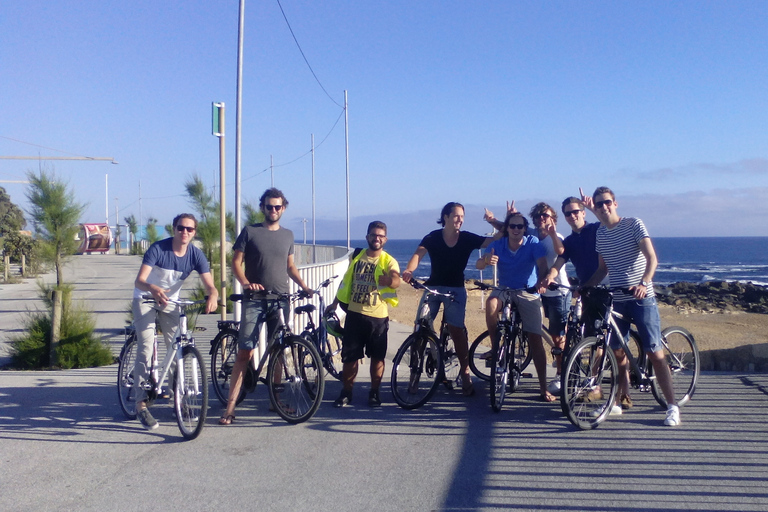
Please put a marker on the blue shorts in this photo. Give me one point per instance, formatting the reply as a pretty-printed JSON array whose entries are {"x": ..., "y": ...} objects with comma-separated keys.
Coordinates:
[
  {"x": 556, "y": 310},
  {"x": 253, "y": 314},
  {"x": 453, "y": 310},
  {"x": 644, "y": 313}
]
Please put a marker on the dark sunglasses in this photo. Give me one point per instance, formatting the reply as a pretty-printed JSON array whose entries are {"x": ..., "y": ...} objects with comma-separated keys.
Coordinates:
[
  {"x": 273, "y": 207},
  {"x": 516, "y": 226},
  {"x": 572, "y": 212},
  {"x": 600, "y": 204},
  {"x": 188, "y": 229},
  {"x": 541, "y": 216}
]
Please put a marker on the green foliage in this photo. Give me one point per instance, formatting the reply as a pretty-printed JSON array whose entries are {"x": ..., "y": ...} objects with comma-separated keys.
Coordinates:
[
  {"x": 169, "y": 230},
  {"x": 133, "y": 229},
  {"x": 152, "y": 234},
  {"x": 55, "y": 216},
  {"x": 11, "y": 216},
  {"x": 253, "y": 214},
  {"x": 16, "y": 243},
  {"x": 78, "y": 346}
]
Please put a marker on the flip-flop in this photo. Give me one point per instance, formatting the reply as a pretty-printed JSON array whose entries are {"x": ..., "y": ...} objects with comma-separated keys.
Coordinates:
[{"x": 227, "y": 420}]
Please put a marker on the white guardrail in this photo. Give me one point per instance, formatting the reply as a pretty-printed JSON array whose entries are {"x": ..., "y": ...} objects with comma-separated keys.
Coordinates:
[{"x": 316, "y": 263}]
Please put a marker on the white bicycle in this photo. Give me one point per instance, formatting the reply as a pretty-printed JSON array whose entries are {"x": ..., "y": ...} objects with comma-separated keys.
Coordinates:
[{"x": 189, "y": 379}]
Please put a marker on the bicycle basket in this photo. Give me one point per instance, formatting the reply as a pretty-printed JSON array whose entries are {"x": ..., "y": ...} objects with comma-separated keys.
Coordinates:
[
  {"x": 333, "y": 325},
  {"x": 596, "y": 302}
]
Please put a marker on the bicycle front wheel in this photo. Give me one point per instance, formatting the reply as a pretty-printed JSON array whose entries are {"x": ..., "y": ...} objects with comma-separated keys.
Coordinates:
[
  {"x": 480, "y": 357},
  {"x": 126, "y": 392},
  {"x": 223, "y": 354},
  {"x": 295, "y": 379},
  {"x": 190, "y": 399},
  {"x": 500, "y": 370},
  {"x": 416, "y": 371},
  {"x": 682, "y": 356},
  {"x": 590, "y": 381}
]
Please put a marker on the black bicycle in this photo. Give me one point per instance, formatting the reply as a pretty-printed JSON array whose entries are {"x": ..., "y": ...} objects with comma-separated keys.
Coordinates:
[
  {"x": 508, "y": 356},
  {"x": 325, "y": 336},
  {"x": 295, "y": 376},
  {"x": 424, "y": 360},
  {"x": 590, "y": 375}
]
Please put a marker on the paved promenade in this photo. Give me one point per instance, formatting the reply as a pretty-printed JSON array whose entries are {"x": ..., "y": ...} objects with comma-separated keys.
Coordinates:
[{"x": 64, "y": 445}]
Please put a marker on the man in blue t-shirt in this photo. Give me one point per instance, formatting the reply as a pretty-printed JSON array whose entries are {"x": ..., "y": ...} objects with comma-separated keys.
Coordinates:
[
  {"x": 166, "y": 265},
  {"x": 517, "y": 256}
]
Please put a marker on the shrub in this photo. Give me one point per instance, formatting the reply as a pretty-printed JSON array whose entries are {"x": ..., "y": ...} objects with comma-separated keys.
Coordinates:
[{"x": 78, "y": 346}]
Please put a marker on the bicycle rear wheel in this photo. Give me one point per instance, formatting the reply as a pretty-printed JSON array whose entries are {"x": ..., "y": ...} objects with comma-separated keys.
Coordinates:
[
  {"x": 223, "y": 354},
  {"x": 590, "y": 381},
  {"x": 416, "y": 371},
  {"x": 190, "y": 399},
  {"x": 295, "y": 378},
  {"x": 500, "y": 369},
  {"x": 451, "y": 365},
  {"x": 480, "y": 356},
  {"x": 330, "y": 353},
  {"x": 126, "y": 392},
  {"x": 682, "y": 356}
]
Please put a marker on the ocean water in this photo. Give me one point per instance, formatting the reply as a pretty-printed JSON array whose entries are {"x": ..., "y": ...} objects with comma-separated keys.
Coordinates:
[{"x": 742, "y": 259}]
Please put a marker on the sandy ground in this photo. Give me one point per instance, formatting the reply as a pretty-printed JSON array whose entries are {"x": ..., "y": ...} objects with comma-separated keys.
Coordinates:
[{"x": 711, "y": 330}]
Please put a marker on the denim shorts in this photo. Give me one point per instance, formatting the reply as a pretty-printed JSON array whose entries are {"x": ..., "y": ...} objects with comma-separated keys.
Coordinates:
[
  {"x": 556, "y": 310},
  {"x": 453, "y": 310},
  {"x": 253, "y": 314},
  {"x": 644, "y": 313}
]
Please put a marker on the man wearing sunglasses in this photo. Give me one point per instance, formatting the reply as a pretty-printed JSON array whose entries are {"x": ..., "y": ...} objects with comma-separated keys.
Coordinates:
[
  {"x": 627, "y": 256},
  {"x": 263, "y": 260},
  {"x": 165, "y": 266}
]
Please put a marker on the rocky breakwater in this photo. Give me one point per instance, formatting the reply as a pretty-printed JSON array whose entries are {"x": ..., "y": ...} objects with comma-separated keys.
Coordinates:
[{"x": 723, "y": 297}]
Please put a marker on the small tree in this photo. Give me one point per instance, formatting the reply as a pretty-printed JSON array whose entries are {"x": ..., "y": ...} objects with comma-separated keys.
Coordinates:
[
  {"x": 152, "y": 234},
  {"x": 133, "y": 229},
  {"x": 11, "y": 216},
  {"x": 55, "y": 214}
]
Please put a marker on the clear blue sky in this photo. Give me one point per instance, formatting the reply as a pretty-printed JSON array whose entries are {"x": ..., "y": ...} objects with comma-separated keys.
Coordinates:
[{"x": 665, "y": 102}]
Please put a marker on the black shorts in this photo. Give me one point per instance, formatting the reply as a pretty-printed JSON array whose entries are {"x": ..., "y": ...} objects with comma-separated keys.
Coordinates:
[{"x": 364, "y": 332}]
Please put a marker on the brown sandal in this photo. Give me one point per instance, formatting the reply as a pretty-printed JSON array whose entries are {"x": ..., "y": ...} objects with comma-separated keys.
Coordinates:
[{"x": 227, "y": 420}]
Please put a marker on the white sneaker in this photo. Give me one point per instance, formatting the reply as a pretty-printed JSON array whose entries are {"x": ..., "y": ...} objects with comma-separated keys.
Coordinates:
[
  {"x": 673, "y": 416},
  {"x": 554, "y": 386},
  {"x": 615, "y": 411}
]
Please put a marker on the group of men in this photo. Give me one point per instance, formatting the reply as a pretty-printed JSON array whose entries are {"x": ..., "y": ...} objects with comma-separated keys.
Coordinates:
[{"x": 263, "y": 260}]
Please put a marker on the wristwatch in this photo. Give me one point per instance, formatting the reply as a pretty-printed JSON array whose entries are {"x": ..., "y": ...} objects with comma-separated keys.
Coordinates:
[{"x": 646, "y": 283}]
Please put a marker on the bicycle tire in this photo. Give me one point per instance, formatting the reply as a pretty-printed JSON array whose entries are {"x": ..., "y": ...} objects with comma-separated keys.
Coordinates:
[
  {"x": 451, "y": 365},
  {"x": 518, "y": 346},
  {"x": 295, "y": 378},
  {"x": 223, "y": 355},
  {"x": 500, "y": 370},
  {"x": 416, "y": 370},
  {"x": 587, "y": 401},
  {"x": 682, "y": 356},
  {"x": 330, "y": 352},
  {"x": 190, "y": 397},
  {"x": 478, "y": 362},
  {"x": 126, "y": 392},
  {"x": 572, "y": 338}
]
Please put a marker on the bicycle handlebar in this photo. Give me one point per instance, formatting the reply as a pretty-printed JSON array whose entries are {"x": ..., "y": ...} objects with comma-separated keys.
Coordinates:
[
  {"x": 179, "y": 302},
  {"x": 421, "y": 286},
  {"x": 485, "y": 286}
]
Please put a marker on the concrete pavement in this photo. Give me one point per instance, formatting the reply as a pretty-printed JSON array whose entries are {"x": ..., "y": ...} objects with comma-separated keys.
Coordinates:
[{"x": 64, "y": 445}]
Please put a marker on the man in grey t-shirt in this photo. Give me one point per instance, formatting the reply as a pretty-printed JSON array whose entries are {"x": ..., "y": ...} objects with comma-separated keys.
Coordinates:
[{"x": 266, "y": 249}]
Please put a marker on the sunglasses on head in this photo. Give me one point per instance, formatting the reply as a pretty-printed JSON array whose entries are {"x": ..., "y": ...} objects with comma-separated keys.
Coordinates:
[
  {"x": 273, "y": 207},
  {"x": 600, "y": 204},
  {"x": 188, "y": 229},
  {"x": 516, "y": 226},
  {"x": 572, "y": 212}
]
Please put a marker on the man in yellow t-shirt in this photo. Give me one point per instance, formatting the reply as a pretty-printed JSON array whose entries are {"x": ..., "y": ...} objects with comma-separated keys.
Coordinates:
[{"x": 367, "y": 289}]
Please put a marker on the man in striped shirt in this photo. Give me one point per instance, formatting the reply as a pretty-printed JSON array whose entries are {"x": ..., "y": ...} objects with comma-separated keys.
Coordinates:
[{"x": 626, "y": 254}]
